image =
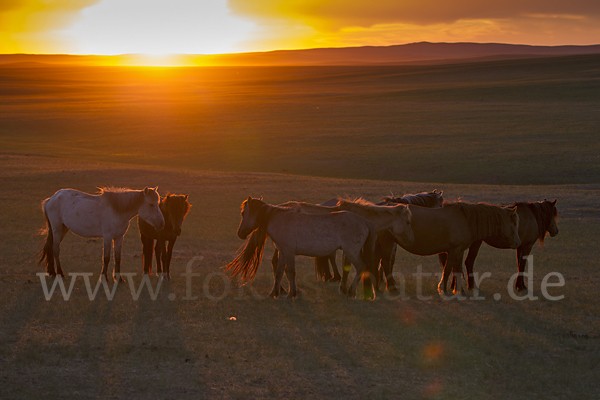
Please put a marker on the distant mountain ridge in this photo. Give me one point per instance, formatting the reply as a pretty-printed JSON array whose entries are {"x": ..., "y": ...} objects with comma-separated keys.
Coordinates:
[{"x": 413, "y": 53}]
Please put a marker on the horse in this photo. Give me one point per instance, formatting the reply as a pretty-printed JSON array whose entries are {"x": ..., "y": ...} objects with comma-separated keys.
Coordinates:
[
  {"x": 106, "y": 214},
  {"x": 432, "y": 199},
  {"x": 297, "y": 233},
  {"x": 174, "y": 209},
  {"x": 536, "y": 219},
  {"x": 452, "y": 229},
  {"x": 395, "y": 220},
  {"x": 423, "y": 199}
]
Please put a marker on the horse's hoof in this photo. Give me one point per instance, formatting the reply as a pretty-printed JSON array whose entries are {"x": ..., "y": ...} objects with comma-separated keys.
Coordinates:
[
  {"x": 343, "y": 290},
  {"x": 393, "y": 291},
  {"x": 118, "y": 278},
  {"x": 336, "y": 279},
  {"x": 273, "y": 294}
]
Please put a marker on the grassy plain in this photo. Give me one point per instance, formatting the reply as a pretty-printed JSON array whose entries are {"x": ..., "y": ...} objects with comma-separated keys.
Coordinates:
[
  {"x": 83, "y": 128},
  {"x": 503, "y": 122}
]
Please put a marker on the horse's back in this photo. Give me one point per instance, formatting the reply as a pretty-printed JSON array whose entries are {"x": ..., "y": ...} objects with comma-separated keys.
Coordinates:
[
  {"x": 437, "y": 229},
  {"x": 80, "y": 212},
  {"x": 318, "y": 235}
]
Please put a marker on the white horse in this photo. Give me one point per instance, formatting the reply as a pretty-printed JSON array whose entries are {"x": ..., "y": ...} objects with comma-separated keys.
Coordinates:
[{"x": 105, "y": 215}]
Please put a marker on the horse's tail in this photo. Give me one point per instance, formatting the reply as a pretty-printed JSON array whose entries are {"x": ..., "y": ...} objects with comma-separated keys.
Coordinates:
[
  {"x": 46, "y": 253},
  {"x": 322, "y": 268},
  {"x": 246, "y": 263},
  {"x": 368, "y": 255}
]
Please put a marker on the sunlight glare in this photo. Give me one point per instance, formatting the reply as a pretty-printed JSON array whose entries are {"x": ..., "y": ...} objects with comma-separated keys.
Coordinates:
[{"x": 159, "y": 28}]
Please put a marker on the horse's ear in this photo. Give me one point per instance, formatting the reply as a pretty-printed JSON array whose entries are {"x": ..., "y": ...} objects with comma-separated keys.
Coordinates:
[
  {"x": 147, "y": 190},
  {"x": 514, "y": 208},
  {"x": 249, "y": 198},
  {"x": 434, "y": 191},
  {"x": 186, "y": 197},
  {"x": 156, "y": 189},
  {"x": 260, "y": 198},
  {"x": 441, "y": 193},
  {"x": 554, "y": 202}
]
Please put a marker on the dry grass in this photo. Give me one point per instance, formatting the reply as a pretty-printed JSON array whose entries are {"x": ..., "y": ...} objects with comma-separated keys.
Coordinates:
[{"x": 318, "y": 346}]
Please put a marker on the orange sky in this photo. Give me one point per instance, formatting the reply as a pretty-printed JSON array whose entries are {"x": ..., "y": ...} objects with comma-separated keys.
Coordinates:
[{"x": 224, "y": 26}]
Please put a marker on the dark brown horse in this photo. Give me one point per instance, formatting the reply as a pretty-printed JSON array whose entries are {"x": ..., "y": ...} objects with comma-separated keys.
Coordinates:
[
  {"x": 536, "y": 219},
  {"x": 451, "y": 230},
  {"x": 174, "y": 209}
]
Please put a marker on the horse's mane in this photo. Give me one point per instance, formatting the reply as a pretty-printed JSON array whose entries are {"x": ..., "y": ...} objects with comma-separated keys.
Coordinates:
[
  {"x": 543, "y": 212},
  {"x": 246, "y": 263},
  {"x": 250, "y": 254},
  {"x": 187, "y": 206},
  {"x": 122, "y": 199},
  {"x": 374, "y": 208},
  {"x": 484, "y": 219}
]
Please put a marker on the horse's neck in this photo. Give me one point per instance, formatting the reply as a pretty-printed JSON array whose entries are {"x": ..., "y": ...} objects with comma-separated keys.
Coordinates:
[{"x": 264, "y": 215}]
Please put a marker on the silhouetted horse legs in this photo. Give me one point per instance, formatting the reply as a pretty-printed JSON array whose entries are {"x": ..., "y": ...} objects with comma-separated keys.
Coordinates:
[{"x": 147, "y": 251}]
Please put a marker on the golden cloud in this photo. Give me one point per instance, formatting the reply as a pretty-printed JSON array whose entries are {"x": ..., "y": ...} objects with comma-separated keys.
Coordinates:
[{"x": 337, "y": 14}]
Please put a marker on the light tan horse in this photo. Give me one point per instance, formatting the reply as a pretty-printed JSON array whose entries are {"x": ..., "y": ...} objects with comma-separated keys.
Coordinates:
[
  {"x": 297, "y": 233},
  {"x": 104, "y": 215},
  {"x": 393, "y": 219}
]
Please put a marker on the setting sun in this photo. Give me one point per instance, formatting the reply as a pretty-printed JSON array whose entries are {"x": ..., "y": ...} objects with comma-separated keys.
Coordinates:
[{"x": 157, "y": 27}]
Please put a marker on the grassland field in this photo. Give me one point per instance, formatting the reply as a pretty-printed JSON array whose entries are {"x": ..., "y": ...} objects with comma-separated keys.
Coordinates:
[{"x": 496, "y": 132}]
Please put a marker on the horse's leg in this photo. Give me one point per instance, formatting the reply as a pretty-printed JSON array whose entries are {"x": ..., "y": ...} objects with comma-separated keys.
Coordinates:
[
  {"x": 117, "y": 272},
  {"x": 470, "y": 262},
  {"x": 345, "y": 272},
  {"x": 387, "y": 250},
  {"x": 278, "y": 275},
  {"x": 522, "y": 252},
  {"x": 361, "y": 270},
  {"x": 274, "y": 263},
  {"x": 167, "y": 258},
  {"x": 59, "y": 233},
  {"x": 446, "y": 272},
  {"x": 158, "y": 253},
  {"x": 290, "y": 270},
  {"x": 148, "y": 251},
  {"x": 106, "y": 256},
  {"x": 455, "y": 259},
  {"x": 336, "y": 273}
]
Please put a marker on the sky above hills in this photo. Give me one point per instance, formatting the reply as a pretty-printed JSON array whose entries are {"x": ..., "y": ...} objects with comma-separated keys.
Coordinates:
[{"x": 107, "y": 27}]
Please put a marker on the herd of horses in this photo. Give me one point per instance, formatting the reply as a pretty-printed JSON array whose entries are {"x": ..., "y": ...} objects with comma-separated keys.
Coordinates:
[{"x": 368, "y": 234}]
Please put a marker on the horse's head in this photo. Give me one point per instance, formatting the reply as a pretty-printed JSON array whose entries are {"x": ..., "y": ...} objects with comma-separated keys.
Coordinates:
[
  {"x": 550, "y": 206},
  {"x": 439, "y": 199},
  {"x": 249, "y": 222},
  {"x": 176, "y": 207},
  {"x": 511, "y": 227},
  {"x": 401, "y": 228},
  {"x": 149, "y": 211}
]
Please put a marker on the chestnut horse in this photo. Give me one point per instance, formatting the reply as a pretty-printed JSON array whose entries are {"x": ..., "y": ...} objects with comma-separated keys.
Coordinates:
[
  {"x": 174, "y": 209},
  {"x": 104, "y": 215},
  {"x": 536, "y": 219},
  {"x": 452, "y": 229}
]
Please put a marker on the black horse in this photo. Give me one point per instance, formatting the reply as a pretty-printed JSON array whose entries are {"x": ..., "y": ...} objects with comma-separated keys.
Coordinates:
[{"x": 174, "y": 209}]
